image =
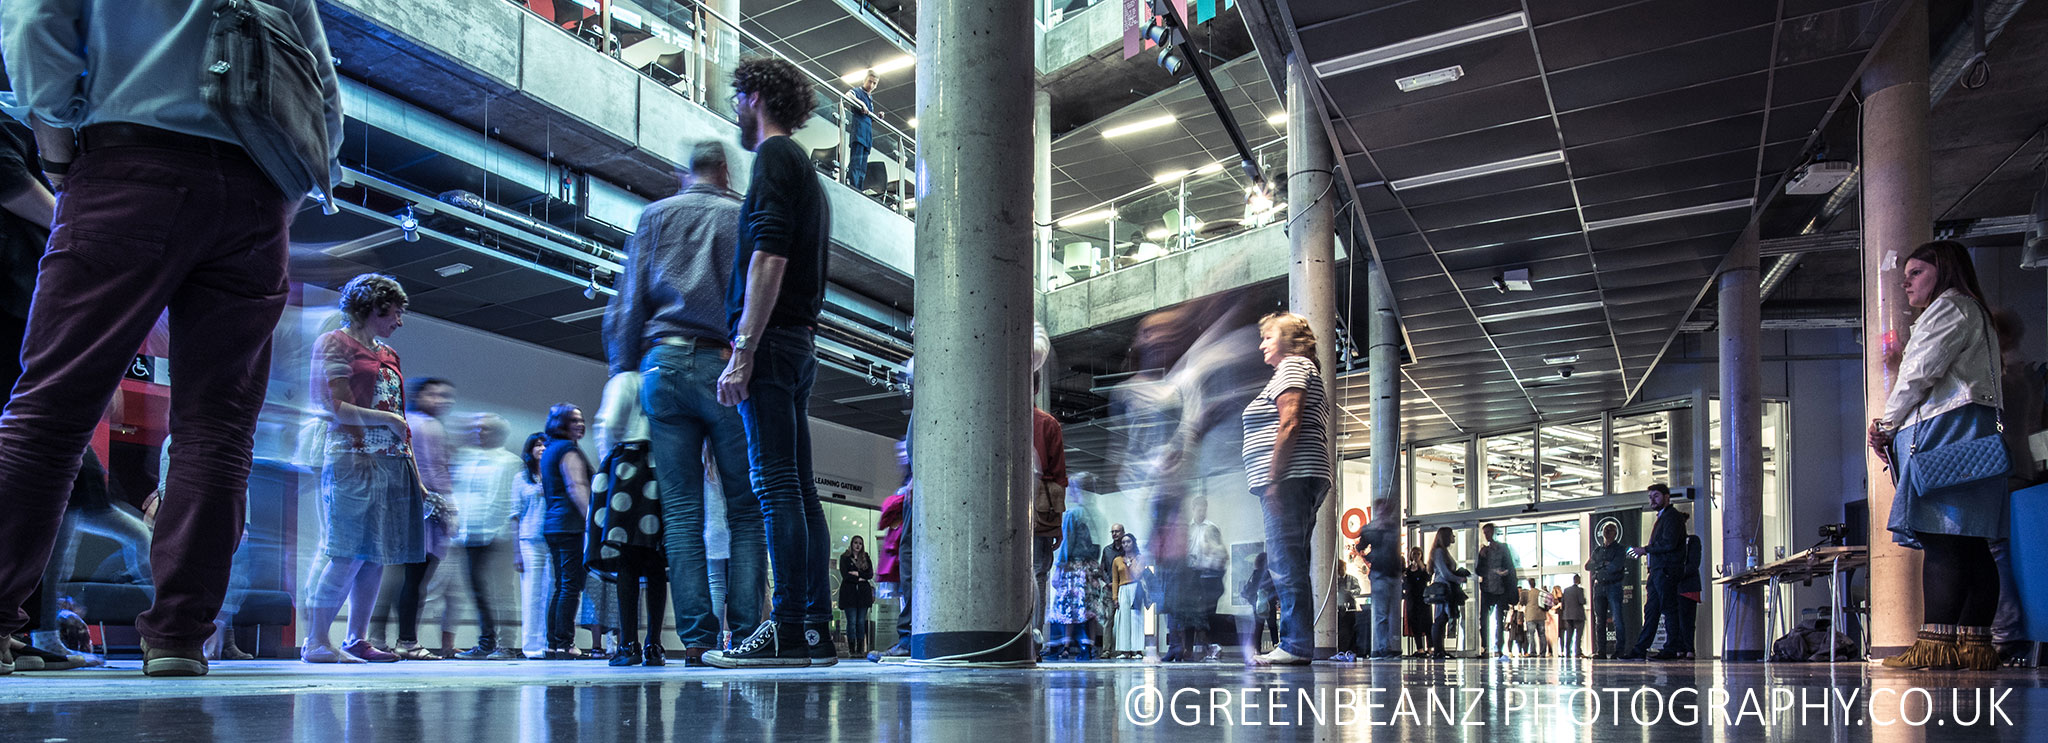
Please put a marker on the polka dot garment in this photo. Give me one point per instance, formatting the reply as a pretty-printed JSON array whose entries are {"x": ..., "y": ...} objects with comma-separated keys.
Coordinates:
[{"x": 628, "y": 507}]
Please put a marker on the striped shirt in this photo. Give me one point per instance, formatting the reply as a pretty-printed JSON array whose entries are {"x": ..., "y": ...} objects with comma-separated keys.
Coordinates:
[{"x": 1310, "y": 457}]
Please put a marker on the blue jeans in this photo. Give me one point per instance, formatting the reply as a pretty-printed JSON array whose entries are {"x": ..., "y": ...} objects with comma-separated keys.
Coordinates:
[
  {"x": 777, "y": 417},
  {"x": 1608, "y": 610},
  {"x": 679, "y": 392},
  {"x": 1290, "y": 516},
  {"x": 1386, "y": 612}
]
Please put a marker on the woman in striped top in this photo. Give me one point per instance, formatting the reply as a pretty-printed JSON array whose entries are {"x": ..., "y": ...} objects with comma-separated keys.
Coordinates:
[{"x": 1287, "y": 464}]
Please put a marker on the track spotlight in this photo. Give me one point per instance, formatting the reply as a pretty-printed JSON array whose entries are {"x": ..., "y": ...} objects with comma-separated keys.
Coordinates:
[
  {"x": 409, "y": 225},
  {"x": 1169, "y": 61},
  {"x": 590, "y": 292}
]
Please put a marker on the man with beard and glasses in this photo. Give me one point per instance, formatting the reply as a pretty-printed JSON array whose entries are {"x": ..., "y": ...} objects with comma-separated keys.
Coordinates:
[{"x": 778, "y": 289}]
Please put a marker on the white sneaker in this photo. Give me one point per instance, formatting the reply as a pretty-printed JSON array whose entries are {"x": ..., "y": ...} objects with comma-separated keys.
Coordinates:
[{"x": 1279, "y": 657}]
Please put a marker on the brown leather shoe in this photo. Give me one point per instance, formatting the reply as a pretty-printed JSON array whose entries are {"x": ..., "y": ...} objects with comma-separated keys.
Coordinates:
[{"x": 693, "y": 657}]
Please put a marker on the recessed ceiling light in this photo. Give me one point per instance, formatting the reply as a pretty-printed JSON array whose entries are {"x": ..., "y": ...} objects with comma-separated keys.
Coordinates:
[
  {"x": 453, "y": 269},
  {"x": 1435, "y": 42},
  {"x": 1099, "y": 215},
  {"x": 1430, "y": 79},
  {"x": 1139, "y": 126},
  {"x": 1279, "y": 119},
  {"x": 1563, "y": 358},
  {"x": 859, "y": 76},
  {"x": 1520, "y": 163},
  {"x": 1671, "y": 214},
  {"x": 913, "y": 122},
  {"x": 1170, "y": 176}
]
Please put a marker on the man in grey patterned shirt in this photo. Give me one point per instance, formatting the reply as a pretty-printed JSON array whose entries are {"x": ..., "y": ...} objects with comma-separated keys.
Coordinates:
[{"x": 669, "y": 323}]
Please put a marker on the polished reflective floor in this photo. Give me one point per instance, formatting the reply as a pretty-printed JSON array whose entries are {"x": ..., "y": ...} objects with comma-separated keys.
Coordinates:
[{"x": 1460, "y": 700}]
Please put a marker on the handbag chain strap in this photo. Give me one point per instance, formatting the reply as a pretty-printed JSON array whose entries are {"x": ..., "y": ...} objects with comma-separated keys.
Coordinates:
[{"x": 1998, "y": 391}]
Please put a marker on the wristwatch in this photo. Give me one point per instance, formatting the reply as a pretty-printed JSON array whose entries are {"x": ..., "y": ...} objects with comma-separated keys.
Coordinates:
[{"x": 742, "y": 342}]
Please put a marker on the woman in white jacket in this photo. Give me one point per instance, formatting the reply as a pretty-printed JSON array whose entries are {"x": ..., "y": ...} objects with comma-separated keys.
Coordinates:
[{"x": 1946, "y": 392}]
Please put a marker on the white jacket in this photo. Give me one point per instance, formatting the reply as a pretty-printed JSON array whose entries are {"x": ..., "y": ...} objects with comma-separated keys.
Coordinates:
[
  {"x": 1951, "y": 360},
  {"x": 619, "y": 417}
]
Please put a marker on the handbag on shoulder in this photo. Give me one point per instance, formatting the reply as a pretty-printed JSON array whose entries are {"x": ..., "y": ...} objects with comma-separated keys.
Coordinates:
[
  {"x": 1963, "y": 462},
  {"x": 265, "y": 82}
]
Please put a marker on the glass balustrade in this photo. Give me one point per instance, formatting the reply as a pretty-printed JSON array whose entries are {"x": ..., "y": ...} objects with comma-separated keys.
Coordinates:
[
  {"x": 1167, "y": 217},
  {"x": 692, "y": 50}
]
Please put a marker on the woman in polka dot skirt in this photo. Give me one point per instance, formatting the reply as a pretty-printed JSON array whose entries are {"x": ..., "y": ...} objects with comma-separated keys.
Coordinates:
[{"x": 624, "y": 539}]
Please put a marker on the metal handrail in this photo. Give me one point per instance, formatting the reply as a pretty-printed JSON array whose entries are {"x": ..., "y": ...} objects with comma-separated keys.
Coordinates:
[{"x": 825, "y": 84}]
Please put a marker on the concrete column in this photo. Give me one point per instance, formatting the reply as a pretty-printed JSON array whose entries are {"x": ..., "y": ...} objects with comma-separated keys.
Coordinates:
[
  {"x": 1383, "y": 358},
  {"x": 1312, "y": 293},
  {"x": 972, "y": 422},
  {"x": 1742, "y": 451},
  {"x": 1897, "y": 217}
]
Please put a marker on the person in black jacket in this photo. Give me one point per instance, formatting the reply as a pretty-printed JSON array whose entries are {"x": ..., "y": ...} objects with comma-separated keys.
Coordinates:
[
  {"x": 856, "y": 595},
  {"x": 1610, "y": 576},
  {"x": 1689, "y": 587},
  {"x": 1666, "y": 553}
]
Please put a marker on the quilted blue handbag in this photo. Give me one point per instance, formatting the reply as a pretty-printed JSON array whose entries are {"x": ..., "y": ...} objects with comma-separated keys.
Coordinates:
[{"x": 1963, "y": 462}]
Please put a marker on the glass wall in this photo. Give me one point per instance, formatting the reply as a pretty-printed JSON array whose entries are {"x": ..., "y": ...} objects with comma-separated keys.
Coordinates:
[
  {"x": 1510, "y": 469},
  {"x": 1572, "y": 463},
  {"x": 846, "y": 521},
  {"x": 1440, "y": 479},
  {"x": 1640, "y": 452}
]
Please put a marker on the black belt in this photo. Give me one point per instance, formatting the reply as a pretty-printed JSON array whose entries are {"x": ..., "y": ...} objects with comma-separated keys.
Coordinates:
[{"x": 102, "y": 136}]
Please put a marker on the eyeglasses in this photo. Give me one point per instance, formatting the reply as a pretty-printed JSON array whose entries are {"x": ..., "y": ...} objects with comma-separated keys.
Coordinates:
[{"x": 736, "y": 96}]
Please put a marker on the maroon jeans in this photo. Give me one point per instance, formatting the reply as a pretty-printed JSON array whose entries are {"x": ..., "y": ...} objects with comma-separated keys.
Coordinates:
[{"x": 140, "y": 229}]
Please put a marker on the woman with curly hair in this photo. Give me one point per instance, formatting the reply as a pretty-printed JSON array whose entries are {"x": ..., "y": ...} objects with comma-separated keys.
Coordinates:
[{"x": 373, "y": 504}]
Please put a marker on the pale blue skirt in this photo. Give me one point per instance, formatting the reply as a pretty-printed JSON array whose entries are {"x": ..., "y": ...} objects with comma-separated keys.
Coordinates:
[
  {"x": 372, "y": 509},
  {"x": 1973, "y": 510}
]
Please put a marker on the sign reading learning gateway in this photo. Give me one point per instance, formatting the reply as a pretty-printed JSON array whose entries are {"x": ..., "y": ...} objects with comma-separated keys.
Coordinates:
[{"x": 834, "y": 487}]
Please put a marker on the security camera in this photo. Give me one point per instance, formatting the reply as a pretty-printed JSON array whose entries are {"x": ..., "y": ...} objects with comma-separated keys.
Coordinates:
[
  {"x": 1500, "y": 283},
  {"x": 1564, "y": 372}
]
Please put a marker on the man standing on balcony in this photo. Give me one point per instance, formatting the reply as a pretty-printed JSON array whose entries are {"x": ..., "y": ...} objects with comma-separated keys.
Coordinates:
[
  {"x": 860, "y": 131},
  {"x": 160, "y": 207},
  {"x": 669, "y": 323},
  {"x": 778, "y": 290}
]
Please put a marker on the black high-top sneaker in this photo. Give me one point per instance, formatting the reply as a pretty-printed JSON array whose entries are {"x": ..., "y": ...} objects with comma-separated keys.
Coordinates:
[
  {"x": 772, "y": 645},
  {"x": 818, "y": 640}
]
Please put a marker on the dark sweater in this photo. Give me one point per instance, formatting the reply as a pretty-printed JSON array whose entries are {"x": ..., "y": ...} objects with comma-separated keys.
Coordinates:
[{"x": 784, "y": 214}]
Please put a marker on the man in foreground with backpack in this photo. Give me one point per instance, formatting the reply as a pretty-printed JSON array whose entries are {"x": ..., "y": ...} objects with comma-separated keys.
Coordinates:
[{"x": 161, "y": 206}]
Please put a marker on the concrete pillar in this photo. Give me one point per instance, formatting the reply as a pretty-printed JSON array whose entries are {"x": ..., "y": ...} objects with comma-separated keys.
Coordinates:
[
  {"x": 1312, "y": 293},
  {"x": 972, "y": 422},
  {"x": 1383, "y": 359},
  {"x": 1897, "y": 217},
  {"x": 1742, "y": 451}
]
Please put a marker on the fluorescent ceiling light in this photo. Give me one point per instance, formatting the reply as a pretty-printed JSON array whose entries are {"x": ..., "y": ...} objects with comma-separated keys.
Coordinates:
[
  {"x": 1170, "y": 176},
  {"x": 580, "y": 315},
  {"x": 1099, "y": 215},
  {"x": 1435, "y": 42},
  {"x": 859, "y": 76},
  {"x": 913, "y": 122},
  {"x": 453, "y": 269},
  {"x": 1525, "y": 162},
  {"x": 1672, "y": 214},
  {"x": 1157, "y": 233},
  {"x": 1279, "y": 119},
  {"x": 1563, "y": 358},
  {"x": 1540, "y": 311},
  {"x": 1430, "y": 79},
  {"x": 1215, "y": 167},
  {"x": 1571, "y": 433},
  {"x": 1139, "y": 126}
]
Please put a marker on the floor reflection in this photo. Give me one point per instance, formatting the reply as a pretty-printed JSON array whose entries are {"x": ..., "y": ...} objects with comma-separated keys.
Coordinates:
[{"x": 1418, "y": 702}]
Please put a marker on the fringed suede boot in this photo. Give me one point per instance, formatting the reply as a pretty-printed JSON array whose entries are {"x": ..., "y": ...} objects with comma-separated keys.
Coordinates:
[
  {"x": 1934, "y": 650},
  {"x": 1974, "y": 649}
]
